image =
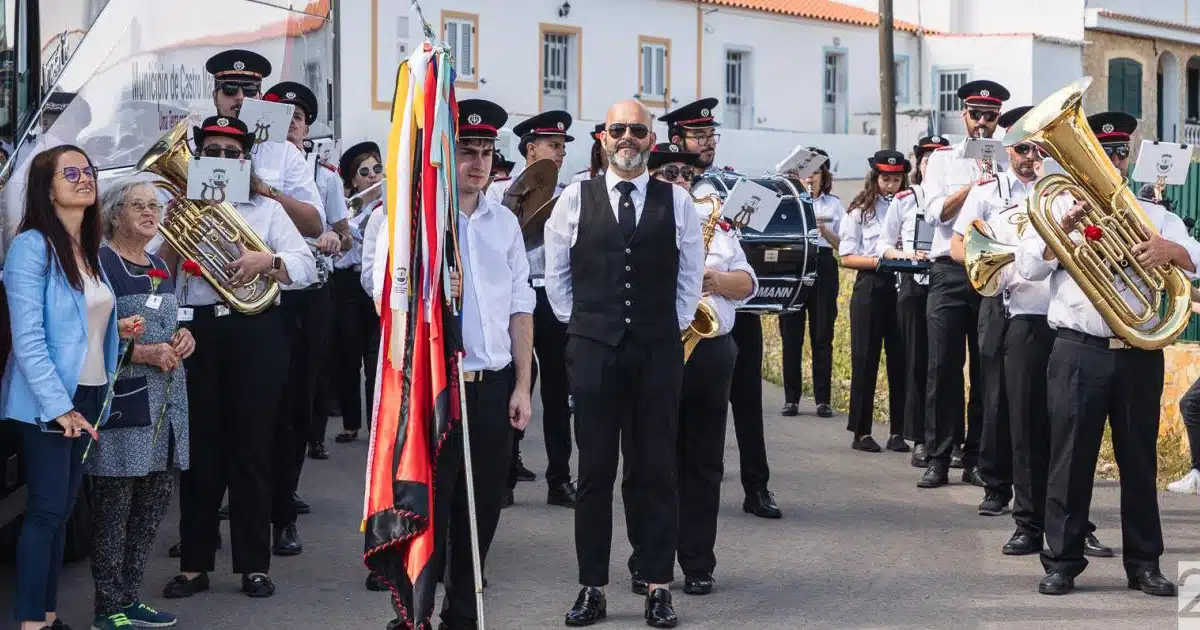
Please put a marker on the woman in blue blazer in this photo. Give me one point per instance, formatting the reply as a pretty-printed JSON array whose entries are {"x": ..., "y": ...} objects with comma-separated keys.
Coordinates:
[{"x": 64, "y": 353}]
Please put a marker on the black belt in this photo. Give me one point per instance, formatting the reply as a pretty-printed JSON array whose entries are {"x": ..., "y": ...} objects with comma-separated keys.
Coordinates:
[
  {"x": 489, "y": 376},
  {"x": 1029, "y": 317},
  {"x": 210, "y": 310},
  {"x": 944, "y": 259},
  {"x": 1110, "y": 343}
]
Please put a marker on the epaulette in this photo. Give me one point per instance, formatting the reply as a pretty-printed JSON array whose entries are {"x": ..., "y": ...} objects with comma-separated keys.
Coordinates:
[
  {"x": 501, "y": 179},
  {"x": 985, "y": 180},
  {"x": 946, "y": 148},
  {"x": 904, "y": 193}
]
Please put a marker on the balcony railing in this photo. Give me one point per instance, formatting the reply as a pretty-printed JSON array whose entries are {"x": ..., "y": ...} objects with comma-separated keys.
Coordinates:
[{"x": 1191, "y": 133}]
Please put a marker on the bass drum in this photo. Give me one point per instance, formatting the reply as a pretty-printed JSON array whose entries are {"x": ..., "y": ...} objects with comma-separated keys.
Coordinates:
[{"x": 784, "y": 254}]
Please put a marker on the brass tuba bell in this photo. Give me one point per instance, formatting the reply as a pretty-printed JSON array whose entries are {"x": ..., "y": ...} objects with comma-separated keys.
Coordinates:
[
  {"x": 212, "y": 234},
  {"x": 985, "y": 257}
]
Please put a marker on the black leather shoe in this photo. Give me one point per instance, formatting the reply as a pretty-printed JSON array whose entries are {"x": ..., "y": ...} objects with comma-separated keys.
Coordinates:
[
  {"x": 971, "y": 475},
  {"x": 824, "y": 410},
  {"x": 994, "y": 503},
  {"x": 375, "y": 583},
  {"x": 896, "y": 444},
  {"x": 920, "y": 456},
  {"x": 589, "y": 607},
  {"x": 508, "y": 499},
  {"x": 287, "y": 541},
  {"x": 302, "y": 506},
  {"x": 1056, "y": 583},
  {"x": 956, "y": 457},
  {"x": 638, "y": 585},
  {"x": 866, "y": 444},
  {"x": 698, "y": 584},
  {"x": 316, "y": 450},
  {"x": 935, "y": 476},
  {"x": 562, "y": 494},
  {"x": 790, "y": 409},
  {"x": 1152, "y": 582},
  {"x": 761, "y": 503},
  {"x": 257, "y": 585},
  {"x": 180, "y": 587},
  {"x": 1022, "y": 544},
  {"x": 659, "y": 612},
  {"x": 523, "y": 473},
  {"x": 1093, "y": 547}
]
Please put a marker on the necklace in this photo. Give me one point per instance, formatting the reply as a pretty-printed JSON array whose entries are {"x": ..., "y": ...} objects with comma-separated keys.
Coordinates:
[{"x": 136, "y": 256}]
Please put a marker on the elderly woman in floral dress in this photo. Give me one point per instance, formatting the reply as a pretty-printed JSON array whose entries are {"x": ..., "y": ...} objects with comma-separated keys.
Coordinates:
[{"x": 146, "y": 436}]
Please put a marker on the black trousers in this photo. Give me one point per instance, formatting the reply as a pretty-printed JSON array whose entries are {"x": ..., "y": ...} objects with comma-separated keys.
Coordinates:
[
  {"x": 626, "y": 401},
  {"x": 703, "y": 412},
  {"x": 874, "y": 327},
  {"x": 952, "y": 314},
  {"x": 549, "y": 345},
  {"x": 235, "y": 381},
  {"x": 491, "y": 435},
  {"x": 910, "y": 305},
  {"x": 306, "y": 317},
  {"x": 745, "y": 396},
  {"x": 1089, "y": 383},
  {"x": 1027, "y": 344},
  {"x": 354, "y": 348},
  {"x": 820, "y": 311},
  {"x": 995, "y": 443}
]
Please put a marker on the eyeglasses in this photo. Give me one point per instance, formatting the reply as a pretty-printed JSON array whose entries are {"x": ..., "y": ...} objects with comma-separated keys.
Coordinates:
[
  {"x": 1024, "y": 148},
  {"x": 988, "y": 114},
  {"x": 231, "y": 88},
  {"x": 617, "y": 130},
  {"x": 366, "y": 171},
  {"x": 705, "y": 138},
  {"x": 672, "y": 172},
  {"x": 1119, "y": 150},
  {"x": 143, "y": 207},
  {"x": 73, "y": 173},
  {"x": 233, "y": 154}
]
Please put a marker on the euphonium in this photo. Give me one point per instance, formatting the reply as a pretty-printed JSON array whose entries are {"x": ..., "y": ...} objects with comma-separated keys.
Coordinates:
[
  {"x": 705, "y": 324},
  {"x": 985, "y": 257},
  {"x": 212, "y": 234},
  {"x": 1059, "y": 127}
]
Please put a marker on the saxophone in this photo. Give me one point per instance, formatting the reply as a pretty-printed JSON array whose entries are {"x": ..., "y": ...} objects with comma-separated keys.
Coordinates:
[{"x": 704, "y": 324}]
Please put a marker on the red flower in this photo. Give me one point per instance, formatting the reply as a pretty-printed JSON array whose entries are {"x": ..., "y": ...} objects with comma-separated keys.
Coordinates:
[
  {"x": 1093, "y": 232},
  {"x": 158, "y": 273},
  {"x": 192, "y": 267}
]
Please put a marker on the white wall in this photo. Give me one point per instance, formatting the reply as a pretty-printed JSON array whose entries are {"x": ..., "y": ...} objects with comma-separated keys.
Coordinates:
[
  {"x": 1055, "y": 18},
  {"x": 1180, "y": 11},
  {"x": 1006, "y": 60},
  {"x": 1056, "y": 66}
]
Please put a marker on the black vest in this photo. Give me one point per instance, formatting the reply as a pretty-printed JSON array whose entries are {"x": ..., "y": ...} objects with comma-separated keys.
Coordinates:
[{"x": 621, "y": 286}]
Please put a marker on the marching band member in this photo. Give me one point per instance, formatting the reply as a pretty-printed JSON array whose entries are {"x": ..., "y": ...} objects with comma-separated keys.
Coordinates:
[
  {"x": 501, "y": 167},
  {"x": 545, "y": 137},
  {"x": 729, "y": 281},
  {"x": 235, "y": 382},
  {"x": 693, "y": 128},
  {"x": 1095, "y": 376},
  {"x": 599, "y": 161},
  {"x": 624, "y": 268},
  {"x": 873, "y": 323},
  {"x": 820, "y": 310},
  {"x": 953, "y": 304},
  {"x": 899, "y": 240}
]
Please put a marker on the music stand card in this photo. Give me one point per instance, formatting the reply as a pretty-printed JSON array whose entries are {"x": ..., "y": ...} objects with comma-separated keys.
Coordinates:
[
  {"x": 219, "y": 179},
  {"x": 984, "y": 149},
  {"x": 801, "y": 163},
  {"x": 1166, "y": 160},
  {"x": 267, "y": 121},
  {"x": 750, "y": 205},
  {"x": 321, "y": 148}
]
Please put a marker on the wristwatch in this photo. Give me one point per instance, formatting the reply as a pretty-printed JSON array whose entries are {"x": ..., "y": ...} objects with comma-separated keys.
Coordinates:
[
  {"x": 273, "y": 192},
  {"x": 276, "y": 263}
]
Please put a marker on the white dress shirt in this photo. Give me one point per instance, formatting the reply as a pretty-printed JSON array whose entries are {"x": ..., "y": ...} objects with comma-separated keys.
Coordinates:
[
  {"x": 282, "y": 165},
  {"x": 1001, "y": 204},
  {"x": 945, "y": 174},
  {"x": 900, "y": 226},
  {"x": 1069, "y": 307},
  {"x": 372, "y": 285},
  {"x": 830, "y": 209},
  {"x": 562, "y": 228},
  {"x": 358, "y": 227},
  {"x": 271, "y": 222},
  {"x": 495, "y": 283},
  {"x": 333, "y": 196},
  {"x": 725, "y": 254},
  {"x": 859, "y": 237}
]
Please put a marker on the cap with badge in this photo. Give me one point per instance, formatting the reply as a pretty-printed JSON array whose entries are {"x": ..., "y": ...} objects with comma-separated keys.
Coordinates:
[
  {"x": 599, "y": 128},
  {"x": 351, "y": 155},
  {"x": 223, "y": 126},
  {"x": 667, "y": 153},
  {"x": 983, "y": 93},
  {"x": 551, "y": 123},
  {"x": 238, "y": 65},
  {"x": 479, "y": 119},
  {"x": 889, "y": 162},
  {"x": 292, "y": 93},
  {"x": 499, "y": 162},
  {"x": 929, "y": 143},
  {"x": 1113, "y": 127},
  {"x": 1010, "y": 117},
  {"x": 695, "y": 115}
]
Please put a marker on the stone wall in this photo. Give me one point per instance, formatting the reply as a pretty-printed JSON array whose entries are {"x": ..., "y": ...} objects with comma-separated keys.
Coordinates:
[{"x": 1182, "y": 368}]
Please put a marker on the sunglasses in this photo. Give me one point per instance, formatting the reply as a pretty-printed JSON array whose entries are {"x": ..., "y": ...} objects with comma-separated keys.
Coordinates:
[
  {"x": 73, "y": 173},
  {"x": 152, "y": 207},
  {"x": 617, "y": 130},
  {"x": 672, "y": 172},
  {"x": 365, "y": 171},
  {"x": 1119, "y": 150},
  {"x": 1024, "y": 148},
  {"x": 216, "y": 152},
  {"x": 231, "y": 88},
  {"x": 986, "y": 114}
]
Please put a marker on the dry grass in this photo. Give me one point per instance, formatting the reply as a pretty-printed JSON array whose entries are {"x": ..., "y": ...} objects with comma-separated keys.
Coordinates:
[{"x": 1173, "y": 461}]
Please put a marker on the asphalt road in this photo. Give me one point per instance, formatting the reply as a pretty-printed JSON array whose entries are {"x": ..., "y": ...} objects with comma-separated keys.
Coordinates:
[{"x": 859, "y": 547}]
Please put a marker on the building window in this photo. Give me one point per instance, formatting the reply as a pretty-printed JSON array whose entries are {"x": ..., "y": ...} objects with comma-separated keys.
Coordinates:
[
  {"x": 402, "y": 51},
  {"x": 1125, "y": 86},
  {"x": 737, "y": 106},
  {"x": 835, "y": 117},
  {"x": 902, "y": 80},
  {"x": 560, "y": 68},
  {"x": 460, "y": 31},
  {"x": 654, "y": 70},
  {"x": 948, "y": 82}
]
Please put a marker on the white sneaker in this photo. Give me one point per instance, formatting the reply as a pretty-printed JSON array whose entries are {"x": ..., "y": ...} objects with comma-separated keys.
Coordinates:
[{"x": 1189, "y": 484}]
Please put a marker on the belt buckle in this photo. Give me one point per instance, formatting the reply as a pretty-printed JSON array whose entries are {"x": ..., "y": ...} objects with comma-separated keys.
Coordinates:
[
  {"x": 471, "y": 377},
  {"x": 538, "y": 283},
  {"x": 1116, "y": 344}
]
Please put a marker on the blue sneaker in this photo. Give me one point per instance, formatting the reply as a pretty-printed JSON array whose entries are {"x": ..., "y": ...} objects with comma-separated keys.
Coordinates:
[
  {"x": 143, "y": 616},
  {"x": 111, "y": 622}
]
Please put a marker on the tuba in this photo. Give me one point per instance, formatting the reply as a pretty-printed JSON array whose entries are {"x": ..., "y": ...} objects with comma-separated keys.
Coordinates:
[
  {"x": 212, "y": 234},
  {"x": 704, "y": 324},
  {"x": 1059, "y": 127}
]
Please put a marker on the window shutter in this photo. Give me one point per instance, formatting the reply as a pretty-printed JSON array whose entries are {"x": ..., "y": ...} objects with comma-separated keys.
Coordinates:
[
  {"x": 467, "y": 39},
  {"x": 1133, "y": 89}
]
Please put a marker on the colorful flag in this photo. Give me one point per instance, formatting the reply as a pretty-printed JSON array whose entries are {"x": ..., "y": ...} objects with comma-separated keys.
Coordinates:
[{"x": 416, "y": 398}]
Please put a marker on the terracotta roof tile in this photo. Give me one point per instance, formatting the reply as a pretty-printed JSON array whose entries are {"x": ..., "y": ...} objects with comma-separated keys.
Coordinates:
[
  {"x": 1148, "y": 21},
  {"x": 827, "y": 10}
]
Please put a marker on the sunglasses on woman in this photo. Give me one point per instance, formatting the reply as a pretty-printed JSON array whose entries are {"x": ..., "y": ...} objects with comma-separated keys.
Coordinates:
[
  {"x": 617, "y": 130},
  {"x": 73, "y": 173},
  {"x": 216, "y": 152},
  {"x": 673, "y": 172},
  {"x": 988, "y": 115},
  {"x": 366, "y": 171},
  {"x": 231, "y": 88}
]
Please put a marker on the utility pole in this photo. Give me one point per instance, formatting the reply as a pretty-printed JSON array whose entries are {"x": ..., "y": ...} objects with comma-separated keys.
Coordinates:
[{"x": 887, "y": 77}]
